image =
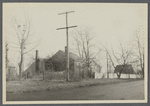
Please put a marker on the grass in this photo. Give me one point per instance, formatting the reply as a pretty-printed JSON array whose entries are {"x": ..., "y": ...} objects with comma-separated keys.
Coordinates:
[{"x": 38, "y": 85}]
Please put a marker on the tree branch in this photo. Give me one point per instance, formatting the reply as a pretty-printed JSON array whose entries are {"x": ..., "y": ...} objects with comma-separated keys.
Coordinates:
[{"x": 31, "y": 49}]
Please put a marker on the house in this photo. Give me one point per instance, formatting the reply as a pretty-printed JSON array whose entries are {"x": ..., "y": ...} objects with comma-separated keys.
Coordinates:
[
  {"x": 31, "y": 70},
  {"x": 11, "y": 72},
  {"x": 126, "y": 71},
  {"x": 57, "y": 63},
  {"x": 95, "y": 67},
  {"x": 55, "y": 67}
]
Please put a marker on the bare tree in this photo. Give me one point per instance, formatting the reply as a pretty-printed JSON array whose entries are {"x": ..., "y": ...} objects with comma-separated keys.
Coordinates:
[
  {"x": 6, "y": 53},
  {"x": 140, "y": 55},
  {"x": 23, "y": 33},
  {"x": 83, "y": 44},
  {"x": 121, "y": 58}
]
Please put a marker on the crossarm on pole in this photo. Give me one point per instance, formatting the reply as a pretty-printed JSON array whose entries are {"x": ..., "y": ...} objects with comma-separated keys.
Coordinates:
[
  {"x": 66, "y": 27},
  {"x": 65, "y": 13}
]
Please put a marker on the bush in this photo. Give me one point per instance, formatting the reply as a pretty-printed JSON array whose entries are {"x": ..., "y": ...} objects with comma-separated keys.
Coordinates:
[{"x": 12, "y": 78}]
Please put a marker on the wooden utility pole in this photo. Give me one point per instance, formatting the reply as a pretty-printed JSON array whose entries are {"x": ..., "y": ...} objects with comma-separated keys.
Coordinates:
[
  {"x": 36, "y": 62},
  {"x": 43, "y": 68},
  {"x": 67, "y": 60},
  {"x": 107, "y": 65}
]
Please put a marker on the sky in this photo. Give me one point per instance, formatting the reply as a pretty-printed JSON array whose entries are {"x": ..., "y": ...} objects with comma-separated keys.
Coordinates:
[{"x": 112, "y": 24}]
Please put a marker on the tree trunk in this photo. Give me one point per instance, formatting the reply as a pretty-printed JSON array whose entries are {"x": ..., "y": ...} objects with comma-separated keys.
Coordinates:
[
  {"x": 118, "y": 75},
  {"x": 21, "y": 60},
  {"x": 20, "y": 67},
  {"x": 143, "y": 71},
  {"x": 83, "y": 73}
]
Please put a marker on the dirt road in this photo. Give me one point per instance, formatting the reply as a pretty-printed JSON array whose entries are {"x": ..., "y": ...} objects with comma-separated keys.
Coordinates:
[{"x": 121, "y": 91}]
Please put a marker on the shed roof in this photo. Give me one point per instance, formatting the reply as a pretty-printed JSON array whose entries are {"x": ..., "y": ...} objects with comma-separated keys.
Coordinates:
[{"x": 126, "y": 69}]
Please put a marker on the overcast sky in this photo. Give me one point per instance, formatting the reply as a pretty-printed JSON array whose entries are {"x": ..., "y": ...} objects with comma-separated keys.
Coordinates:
[{"x": 112, "y": 23}]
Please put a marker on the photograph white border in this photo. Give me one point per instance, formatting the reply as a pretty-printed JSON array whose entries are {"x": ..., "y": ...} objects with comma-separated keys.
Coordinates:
[{"x": 75, "y": 101}]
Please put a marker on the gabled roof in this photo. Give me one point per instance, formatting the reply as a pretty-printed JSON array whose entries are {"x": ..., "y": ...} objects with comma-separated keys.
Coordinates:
[
  {"x": 42, "y": 59},
  {"x": 127, "y": 69},
  {"x": 74, "y": 56},
  {"x": 60, "y": 56}
]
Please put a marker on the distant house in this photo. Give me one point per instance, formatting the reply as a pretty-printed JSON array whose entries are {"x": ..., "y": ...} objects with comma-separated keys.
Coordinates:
[
  {"x": 11, "y": 72},
  {"x": 95, "y": 67},
  {"x": 31, "y": 70},
  {"x": 127, "y": 69}
]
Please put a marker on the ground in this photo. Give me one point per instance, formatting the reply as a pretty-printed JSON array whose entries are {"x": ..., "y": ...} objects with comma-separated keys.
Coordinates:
[
  {"x": 104, "y": 89},
  {"x": 38, "y": 85},
  {"x": 120, "y": 91}
]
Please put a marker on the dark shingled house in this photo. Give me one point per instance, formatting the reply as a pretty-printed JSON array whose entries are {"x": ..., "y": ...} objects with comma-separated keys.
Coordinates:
[
  {"x": 127, "y": 69},
  {"x": 58, "y": 61}
]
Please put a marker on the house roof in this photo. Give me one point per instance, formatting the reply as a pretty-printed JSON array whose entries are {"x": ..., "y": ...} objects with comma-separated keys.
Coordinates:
[
  {"x": 127, "y": 69},
  {"x": 60, "y": 56},
  {"x": 42, "y": 59},
  {"x": 74, "y": 56}
]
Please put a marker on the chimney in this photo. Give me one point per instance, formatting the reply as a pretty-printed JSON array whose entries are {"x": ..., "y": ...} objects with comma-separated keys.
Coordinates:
[
  {"x": 66, "y": 56},
  {"x": 36, "y": 62},
  {"x": 65, "y": 51}
]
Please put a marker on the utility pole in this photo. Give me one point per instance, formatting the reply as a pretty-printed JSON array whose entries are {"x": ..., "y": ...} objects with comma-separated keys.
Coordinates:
[
  {"x": 67, "y": 60},
  {"x": 36, "y": 62},
  {"x": 107, "y": 65},
  {"x": 43, "y": 68}
]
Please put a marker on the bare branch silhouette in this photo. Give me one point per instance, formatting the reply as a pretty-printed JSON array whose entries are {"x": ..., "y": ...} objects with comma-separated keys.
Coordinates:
[
  {"x": 31, "y": 49},
  {"x": 23, "y": 33},
  {"x": 121, "y": 59},
  {"x": 83, "y": 44}
]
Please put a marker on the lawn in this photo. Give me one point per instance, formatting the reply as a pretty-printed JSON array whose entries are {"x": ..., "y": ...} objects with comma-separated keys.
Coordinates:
[{"x": 38, "y": 85}]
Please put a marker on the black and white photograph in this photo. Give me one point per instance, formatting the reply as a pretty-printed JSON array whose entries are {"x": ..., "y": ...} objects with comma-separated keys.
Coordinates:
[{"x": 64, "y": 53}]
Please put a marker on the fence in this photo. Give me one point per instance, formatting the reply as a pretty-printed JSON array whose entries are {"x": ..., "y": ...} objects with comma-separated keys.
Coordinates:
[
  {"x": 78, "y": 73},
  {"x": 62, "y": 75},
  {"x": 114, "y": 75},
  {"x": 55, "y": 75},
  {"x": 12, "y": 77}
]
